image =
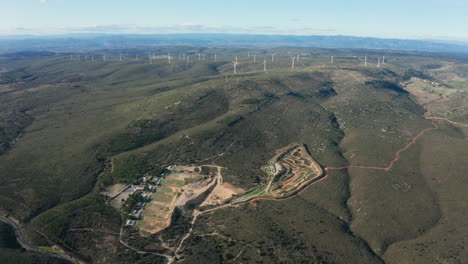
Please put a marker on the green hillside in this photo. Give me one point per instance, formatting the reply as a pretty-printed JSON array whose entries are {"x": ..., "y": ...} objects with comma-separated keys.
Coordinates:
[{"x": 69, "y": 128}]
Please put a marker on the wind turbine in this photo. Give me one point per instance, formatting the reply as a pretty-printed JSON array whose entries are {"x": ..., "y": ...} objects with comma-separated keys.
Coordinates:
[
  {"x": 383, "y": 60},
  {"x": 264, "y": 64},
  {"x": 199, "y": 57},
  {"x": 215, "y": 58},
  {"x": 378, "y": 62},
  {"x": 169, "y": 58},
  {"x": 235, "y": 66},
  {"x": 255, "y": 58},
  {"x": 293, "y": 61},
  {"x": 365, "y": 61},
  {"x": 332, "y": 59},
  {"x": 120, "y": 56}
]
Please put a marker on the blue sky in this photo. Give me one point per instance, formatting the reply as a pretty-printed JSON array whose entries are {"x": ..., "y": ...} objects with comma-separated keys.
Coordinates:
[{"x": 418, "y": 19}]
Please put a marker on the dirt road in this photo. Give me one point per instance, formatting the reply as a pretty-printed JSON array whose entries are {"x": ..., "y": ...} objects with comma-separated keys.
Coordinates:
[{"x": 27, "y": 246}]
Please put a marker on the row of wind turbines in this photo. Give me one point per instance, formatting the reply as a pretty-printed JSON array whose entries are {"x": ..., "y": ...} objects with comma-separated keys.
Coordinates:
[{"x": 202, "y": 57}]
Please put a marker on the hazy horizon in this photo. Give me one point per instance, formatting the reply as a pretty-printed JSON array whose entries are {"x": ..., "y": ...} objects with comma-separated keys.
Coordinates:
[{"x": 421, "y": 20}]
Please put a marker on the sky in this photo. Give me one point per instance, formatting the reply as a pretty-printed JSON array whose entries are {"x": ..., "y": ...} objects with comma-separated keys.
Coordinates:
[{"x": 405, "y": 19}]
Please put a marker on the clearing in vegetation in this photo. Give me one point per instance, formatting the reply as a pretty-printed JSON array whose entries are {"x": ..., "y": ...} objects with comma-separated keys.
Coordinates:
[
  {"x": 180, "y": 187},
  {"x": 289, "y": 171}
]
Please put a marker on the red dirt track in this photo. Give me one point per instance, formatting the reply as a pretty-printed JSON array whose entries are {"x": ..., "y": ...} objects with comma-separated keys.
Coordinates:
[
  {"x": 387, "y": 168},
  {"x": 252, "y": 203}
]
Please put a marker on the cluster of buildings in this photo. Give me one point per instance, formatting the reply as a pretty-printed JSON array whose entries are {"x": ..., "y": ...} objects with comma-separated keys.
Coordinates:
[{"x": 146, "y": 188}]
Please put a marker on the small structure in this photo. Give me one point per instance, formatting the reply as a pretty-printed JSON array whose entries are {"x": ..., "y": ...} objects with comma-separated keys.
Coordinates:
[
  {"x": 157, "y": 180},
  {"x": 130, "y": 223},
  {"x": 146, "y": 197},
  {"x": 152, "y": 188},
  {"x": 136, "y": 214},
  {"x": 140, "y": 187}
]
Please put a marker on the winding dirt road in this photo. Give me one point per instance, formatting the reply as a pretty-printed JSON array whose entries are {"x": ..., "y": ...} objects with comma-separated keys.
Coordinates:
[
  {"x": 197, "y": 213},
  {"x": 327, "y": 169}
]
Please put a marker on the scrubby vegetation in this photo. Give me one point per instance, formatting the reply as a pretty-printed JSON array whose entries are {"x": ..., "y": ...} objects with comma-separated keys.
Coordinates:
[
  {"x": 129, "y": 169},
  {"x": 131, "y": 201},
  {"x": 64, "y": 120}
]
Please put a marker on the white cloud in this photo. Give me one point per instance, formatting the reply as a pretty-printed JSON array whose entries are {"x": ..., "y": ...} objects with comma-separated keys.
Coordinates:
[
  {"x": 189, "y": 27},
  {"x": 48, "y": 1},
  {"x": 185, "y": 27}
]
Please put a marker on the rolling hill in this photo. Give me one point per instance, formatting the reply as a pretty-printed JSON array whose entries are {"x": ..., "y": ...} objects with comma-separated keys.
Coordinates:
[{"x": 393, "y": 188}]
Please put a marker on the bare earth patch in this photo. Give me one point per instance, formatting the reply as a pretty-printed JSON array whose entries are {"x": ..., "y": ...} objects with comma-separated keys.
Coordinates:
[{"x": 183, "y": 185}]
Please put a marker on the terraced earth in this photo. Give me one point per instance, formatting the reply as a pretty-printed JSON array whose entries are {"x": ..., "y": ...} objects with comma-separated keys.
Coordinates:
[
  {"x": 180, "y": 187},
  {"x": 289, "y": 171}
]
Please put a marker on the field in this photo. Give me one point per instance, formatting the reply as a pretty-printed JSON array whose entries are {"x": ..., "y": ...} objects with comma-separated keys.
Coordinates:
[
  {"x": 70, "y": 129},
  {"x": 463, "y": 84},
  {"x": 427, "y": 92}
]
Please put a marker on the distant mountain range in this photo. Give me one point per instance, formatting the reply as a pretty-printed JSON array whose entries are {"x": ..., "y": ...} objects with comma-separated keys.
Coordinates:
[{"x": 80, "y": 42}]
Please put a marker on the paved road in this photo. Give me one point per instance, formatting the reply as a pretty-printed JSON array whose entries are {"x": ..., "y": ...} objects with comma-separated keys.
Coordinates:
[{"x": 28, "y": 246}]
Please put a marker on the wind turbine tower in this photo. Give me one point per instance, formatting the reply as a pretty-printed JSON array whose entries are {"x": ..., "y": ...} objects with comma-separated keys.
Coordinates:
[
  {"x": 215, "y": 58},
  {"x": 293, "y": 61},
  {"x": 264, "y": 64},
  {"x": 199, "y": 57},
  {"x": 383, "y": 60},
  {"x": 365, "y": 61},
  {"x": 255, "y": 58},
  {"x": 235, "y": 66},
  {"x": 332, "y": 59},
  {"x": 169, "y": 58},
  {"x": 378, "y": 62}
]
